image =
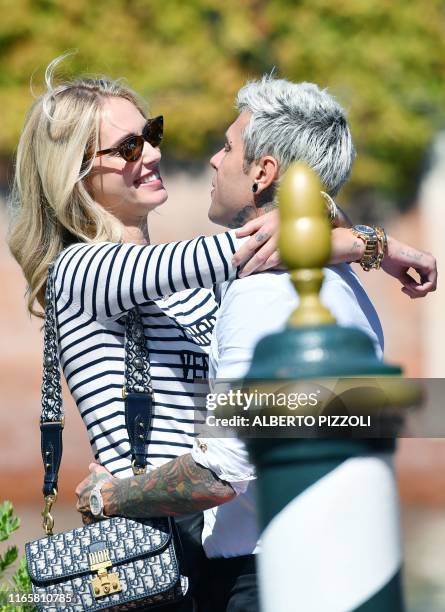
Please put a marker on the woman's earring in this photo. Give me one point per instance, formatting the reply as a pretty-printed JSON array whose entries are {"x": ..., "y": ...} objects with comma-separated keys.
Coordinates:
[{"x": 255, "y": 187}]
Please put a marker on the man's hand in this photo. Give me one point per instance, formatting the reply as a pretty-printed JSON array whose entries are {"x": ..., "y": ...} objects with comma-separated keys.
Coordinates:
[
  {"x": 401, "y": 258},
  {"x": 98, "y": 475}
]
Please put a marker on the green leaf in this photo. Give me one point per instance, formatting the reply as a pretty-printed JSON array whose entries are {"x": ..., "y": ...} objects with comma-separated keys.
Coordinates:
[
  {"x": 8, "y": 522},
  {"x": 8, "y": 558},
  {"x": 21, "y": 578},
  {"x": 20, "y": 581}
]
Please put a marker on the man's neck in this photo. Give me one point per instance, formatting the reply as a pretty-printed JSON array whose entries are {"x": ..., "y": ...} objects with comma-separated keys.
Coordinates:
[
  {"x": 249, "y": 212},
  {"x": 246, "y": 213}
]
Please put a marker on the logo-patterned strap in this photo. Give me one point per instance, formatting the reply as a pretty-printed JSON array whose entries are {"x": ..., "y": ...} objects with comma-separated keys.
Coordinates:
[
  {"x": 52, "y": 408},
  {"x": 138, "y": 390},
  {"x": 137, "y": 363},
  {"x": 137, "y": 382}
]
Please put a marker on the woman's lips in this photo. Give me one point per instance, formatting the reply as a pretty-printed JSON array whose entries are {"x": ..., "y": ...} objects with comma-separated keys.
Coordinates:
[
  {"x": 155, "y": 184},
  {"x": 150, "y": 180}
]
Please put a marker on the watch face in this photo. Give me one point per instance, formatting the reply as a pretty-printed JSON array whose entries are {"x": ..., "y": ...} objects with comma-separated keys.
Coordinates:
[
  {"x": 364, "y": 229},
  {"x": 95, "y": 503}
]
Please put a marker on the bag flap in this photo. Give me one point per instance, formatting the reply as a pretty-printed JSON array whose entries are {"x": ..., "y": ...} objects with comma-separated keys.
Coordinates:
[{"x": 67, "y": 554}]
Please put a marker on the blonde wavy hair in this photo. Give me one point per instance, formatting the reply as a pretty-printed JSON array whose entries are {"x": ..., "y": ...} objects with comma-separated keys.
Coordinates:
[{"x": 50, "y": 206}]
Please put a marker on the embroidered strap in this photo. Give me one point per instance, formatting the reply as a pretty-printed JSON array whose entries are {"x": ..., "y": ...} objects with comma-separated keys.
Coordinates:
[
  {"x": 137, "y": 363},
  {"x": 137, "y": 391},
  {"x": 52, "y": 408}
]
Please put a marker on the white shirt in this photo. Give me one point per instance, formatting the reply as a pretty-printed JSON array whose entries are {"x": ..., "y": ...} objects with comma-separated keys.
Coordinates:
[{"x": 252, "y": 308}]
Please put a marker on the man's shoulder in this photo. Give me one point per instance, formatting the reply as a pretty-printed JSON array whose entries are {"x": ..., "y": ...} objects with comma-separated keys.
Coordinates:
[{"x": 278, "y": 279}]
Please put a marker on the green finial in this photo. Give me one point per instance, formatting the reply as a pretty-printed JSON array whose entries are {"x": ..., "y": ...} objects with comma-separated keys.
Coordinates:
[{"x": 304, "y": 242}]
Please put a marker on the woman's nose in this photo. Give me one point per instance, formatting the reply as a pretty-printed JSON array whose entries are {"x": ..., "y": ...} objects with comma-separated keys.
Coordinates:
[{"x": 150, "y": 154}]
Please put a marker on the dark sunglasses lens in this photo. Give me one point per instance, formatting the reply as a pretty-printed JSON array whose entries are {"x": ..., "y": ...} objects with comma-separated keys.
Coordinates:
[
  {"x": 154, "y": 131},
  {"x": 131, "y": 149}
]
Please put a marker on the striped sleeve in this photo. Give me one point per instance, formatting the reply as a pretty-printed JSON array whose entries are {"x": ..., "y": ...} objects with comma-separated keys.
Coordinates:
[{"x": 107, "y": 279}]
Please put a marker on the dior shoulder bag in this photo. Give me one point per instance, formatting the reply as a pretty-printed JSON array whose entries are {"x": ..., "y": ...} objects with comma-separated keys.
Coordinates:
[{"x": 115, "y": 564}]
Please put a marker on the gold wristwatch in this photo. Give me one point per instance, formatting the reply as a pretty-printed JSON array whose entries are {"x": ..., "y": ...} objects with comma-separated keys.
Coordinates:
[{"x": 369, "y": 236}]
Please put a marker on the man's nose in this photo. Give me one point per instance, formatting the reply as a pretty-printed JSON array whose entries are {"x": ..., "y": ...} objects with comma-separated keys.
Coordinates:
[{"x": 216, "y": 159}]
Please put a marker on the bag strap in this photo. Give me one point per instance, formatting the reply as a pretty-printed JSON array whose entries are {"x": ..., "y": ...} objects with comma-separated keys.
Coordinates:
[
  {"x": 137, "y": 390},
  {"x": 137, "y": 393}
]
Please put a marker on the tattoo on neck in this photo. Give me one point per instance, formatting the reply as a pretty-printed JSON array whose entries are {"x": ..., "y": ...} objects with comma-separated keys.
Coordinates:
[
  {"x": 268, "y": 207},
  {"x": 242, "y": 216}
]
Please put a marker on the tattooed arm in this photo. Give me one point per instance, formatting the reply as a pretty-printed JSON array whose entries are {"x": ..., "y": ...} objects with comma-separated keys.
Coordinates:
[
  {"x": 401, "y": 259},
  {"x": 177, "y": 487}
]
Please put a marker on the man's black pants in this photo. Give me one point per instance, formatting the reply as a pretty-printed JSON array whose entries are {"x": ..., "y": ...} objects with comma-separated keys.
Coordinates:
[
  {"x": 216, "y": 585},
  {"x": 230, "y": 586}
]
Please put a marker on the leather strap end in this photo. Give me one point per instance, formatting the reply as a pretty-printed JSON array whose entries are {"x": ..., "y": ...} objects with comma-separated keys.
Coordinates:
[{"x": 51, "y": 449}]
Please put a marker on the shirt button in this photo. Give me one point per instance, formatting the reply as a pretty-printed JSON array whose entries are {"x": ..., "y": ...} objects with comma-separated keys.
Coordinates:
[{"x": 202, "y": 446}]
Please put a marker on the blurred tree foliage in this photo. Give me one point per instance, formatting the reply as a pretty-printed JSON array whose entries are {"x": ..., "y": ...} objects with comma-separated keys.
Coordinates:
[{"x": 383, "y": 59}]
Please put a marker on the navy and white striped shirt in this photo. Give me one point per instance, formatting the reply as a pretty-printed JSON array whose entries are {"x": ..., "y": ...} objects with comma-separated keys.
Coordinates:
[{"x": 96, "y": 284}]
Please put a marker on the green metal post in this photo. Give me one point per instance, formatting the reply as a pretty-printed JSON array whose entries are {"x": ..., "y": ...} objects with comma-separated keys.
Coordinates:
[{"x": 328, "y": 508}]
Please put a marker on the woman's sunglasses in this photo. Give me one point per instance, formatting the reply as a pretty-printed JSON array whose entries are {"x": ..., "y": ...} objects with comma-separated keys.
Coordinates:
[{"x": 131, "y": 147}]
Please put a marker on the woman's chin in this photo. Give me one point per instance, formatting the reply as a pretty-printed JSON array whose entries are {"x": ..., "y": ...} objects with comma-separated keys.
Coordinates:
[{"x": 156, "y": 199}]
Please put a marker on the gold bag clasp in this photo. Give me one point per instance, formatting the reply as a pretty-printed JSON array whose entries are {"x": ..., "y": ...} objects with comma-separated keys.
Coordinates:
[
  {"x": 48, "y": 520},
  {"x": 104, "y": 583}
]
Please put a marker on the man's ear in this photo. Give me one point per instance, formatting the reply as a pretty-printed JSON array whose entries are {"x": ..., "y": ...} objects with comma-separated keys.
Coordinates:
[{"x": 266, "y": 172}]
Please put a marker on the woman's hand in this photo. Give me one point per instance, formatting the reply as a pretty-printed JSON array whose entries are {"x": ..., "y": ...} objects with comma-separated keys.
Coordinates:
[
  {"x": 98, "y": 475},
  {"x": 259, "y": 253}
]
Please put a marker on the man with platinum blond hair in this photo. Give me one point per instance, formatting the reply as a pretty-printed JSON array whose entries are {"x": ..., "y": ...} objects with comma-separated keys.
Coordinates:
[
  {"x": 280, "y": 122},
  {"x": 297, "y": 122}
]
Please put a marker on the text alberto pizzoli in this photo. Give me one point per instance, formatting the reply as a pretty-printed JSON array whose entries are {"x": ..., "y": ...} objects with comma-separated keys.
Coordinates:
[{"x": 238, "y": 399}]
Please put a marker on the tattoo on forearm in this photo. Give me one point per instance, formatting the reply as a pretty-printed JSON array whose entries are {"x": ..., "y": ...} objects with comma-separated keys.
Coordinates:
[
  {"x": 415, "y": 256},
  {"x": 178, "y": 487}
]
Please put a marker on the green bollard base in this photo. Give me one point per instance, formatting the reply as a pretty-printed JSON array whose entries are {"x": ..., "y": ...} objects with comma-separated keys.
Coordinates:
[
  {"x": 388, "y": 599},
  {"x": 318, "y": 351},
  {"x": 286, "y": 467}
]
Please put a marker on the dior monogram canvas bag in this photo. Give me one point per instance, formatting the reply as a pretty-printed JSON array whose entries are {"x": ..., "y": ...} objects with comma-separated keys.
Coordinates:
[{"x": 116, "y": 564}]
